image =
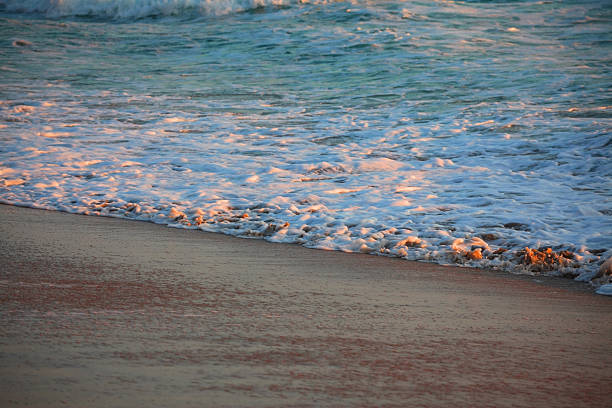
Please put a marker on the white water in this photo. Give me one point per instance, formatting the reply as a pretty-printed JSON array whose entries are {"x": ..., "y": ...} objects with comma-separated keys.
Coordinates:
[{"x": 135, "y": 9}]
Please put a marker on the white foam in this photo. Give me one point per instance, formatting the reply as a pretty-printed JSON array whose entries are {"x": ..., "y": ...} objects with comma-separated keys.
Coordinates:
[{"x": 134, "y": 9}]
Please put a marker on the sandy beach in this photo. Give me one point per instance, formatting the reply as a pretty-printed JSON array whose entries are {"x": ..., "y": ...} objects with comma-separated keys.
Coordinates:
[{"x": 103, "y": 312}]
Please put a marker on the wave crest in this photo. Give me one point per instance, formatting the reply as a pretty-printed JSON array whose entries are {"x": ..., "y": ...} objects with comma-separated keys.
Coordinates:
[{"x": 134, "y": 9}]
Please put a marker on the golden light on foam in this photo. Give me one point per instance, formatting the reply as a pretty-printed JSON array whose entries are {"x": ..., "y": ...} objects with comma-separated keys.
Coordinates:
[
  {"x": 401, "y": 203},
  {"x": 14, "y": 182},
  {"x": 47, "y": 185},
  {"x": 24, "y": 109},
  {"x": 345, "y": 190},
  {"x": 54, "y": 134},
  {"x": 177, "y": 120},
  {"x": 127, "y": 163},
  {"x": 407, "y": 189},
  {"x": 86, "y": 163}
]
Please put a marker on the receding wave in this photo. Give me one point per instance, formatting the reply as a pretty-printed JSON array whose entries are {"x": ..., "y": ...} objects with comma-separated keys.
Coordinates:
[{"x": 134, "y": 9}]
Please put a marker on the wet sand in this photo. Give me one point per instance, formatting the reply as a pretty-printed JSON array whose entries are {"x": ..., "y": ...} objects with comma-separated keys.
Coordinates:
[{"x": 102, "y": 312}]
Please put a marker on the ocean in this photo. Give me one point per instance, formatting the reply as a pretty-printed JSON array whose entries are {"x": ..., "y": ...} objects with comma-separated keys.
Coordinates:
[{"x": 471, "y": 133}]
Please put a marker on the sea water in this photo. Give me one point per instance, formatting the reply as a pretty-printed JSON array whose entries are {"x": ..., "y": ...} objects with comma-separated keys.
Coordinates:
[{"x": 456, "y": 132}]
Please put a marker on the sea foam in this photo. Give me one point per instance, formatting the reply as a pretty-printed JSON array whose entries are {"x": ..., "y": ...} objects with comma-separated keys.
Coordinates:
[{"x": 135, "y": 9}]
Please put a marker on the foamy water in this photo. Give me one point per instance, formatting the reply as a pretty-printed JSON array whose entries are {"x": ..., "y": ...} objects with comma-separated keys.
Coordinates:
[{"x": 452, "y": 132}]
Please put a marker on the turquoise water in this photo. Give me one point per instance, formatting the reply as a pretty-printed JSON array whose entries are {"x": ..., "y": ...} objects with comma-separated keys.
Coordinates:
[{"x": 418, "y": 129}]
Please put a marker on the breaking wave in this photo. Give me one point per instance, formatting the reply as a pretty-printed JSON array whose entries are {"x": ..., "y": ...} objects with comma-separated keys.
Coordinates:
[{"x": 136, "y": 9}]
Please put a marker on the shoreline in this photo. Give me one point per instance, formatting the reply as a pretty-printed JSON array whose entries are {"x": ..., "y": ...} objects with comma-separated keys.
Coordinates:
[
  {"x": 536, "y": 277},
  {"x": 100, "y": 311}
]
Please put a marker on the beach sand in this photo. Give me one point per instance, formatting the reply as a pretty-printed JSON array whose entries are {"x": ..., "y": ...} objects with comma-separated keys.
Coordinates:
[{"x": 103, "y": 312}]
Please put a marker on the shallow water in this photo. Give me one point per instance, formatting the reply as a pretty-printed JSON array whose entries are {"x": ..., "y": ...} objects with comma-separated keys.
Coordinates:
[{"x": 416, "y": 129}]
